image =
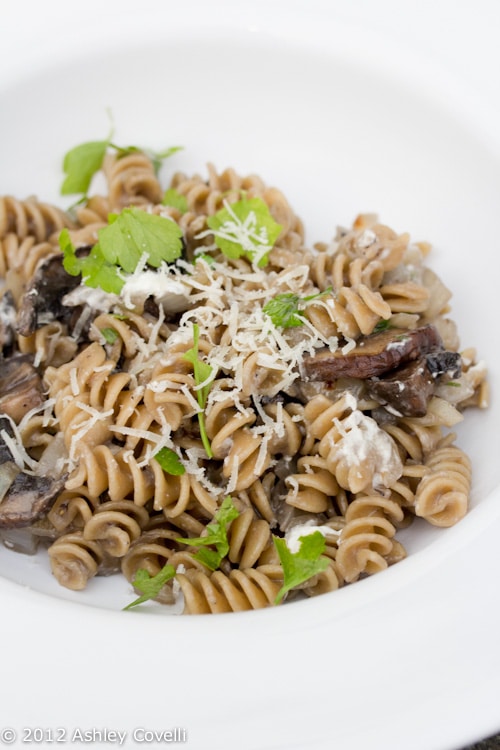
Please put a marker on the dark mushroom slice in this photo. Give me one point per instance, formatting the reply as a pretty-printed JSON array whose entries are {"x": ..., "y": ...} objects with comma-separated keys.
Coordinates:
[
  {"x": 42, "y": 301},
  {"x": 441, "y": 363},
  {"x": 8, "y": 314},
  {"x": 373, "y": 355},
  {"x": 21, "y": 387},
  {"x": 28, "y": 498},
  {"x": 5, "y": 429},
  {"x": 24, "y": 498},
  {"x": 406, "y": 389}
]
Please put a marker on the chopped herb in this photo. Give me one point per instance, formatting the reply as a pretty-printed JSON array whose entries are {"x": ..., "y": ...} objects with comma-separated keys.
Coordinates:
[
  {"x": 130, "y": 236},
  {"x": 245, "y": 228},
  {"x": 202, "y": 372},
  {"x": 285, "y": 310},
  {"x": 207, "y": 258},
  {"x": 150, "y": 585},
  {"x": 94, "y": 268},
  {"x": 453, "y": 383},
  {"x": 382, "y": 325},
  {"x": 82, "y": 162},
  {"x": 110, "y": 334},
  {"x": 133, "y": 233},
  {"x": 216, "y": 536},
  {"x": 169, "y": 462},
  {"x": 174, "y": 199},
  {"x": 302, "y": 565},
  {"x": 80, "y": 165}
]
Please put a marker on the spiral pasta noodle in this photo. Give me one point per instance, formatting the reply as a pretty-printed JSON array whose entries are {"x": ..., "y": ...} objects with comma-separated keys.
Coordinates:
[
  {"x": 30, "y": 218},
  {"x": 252, "y": 588},
  {"x": 219, "y": 416},
  {"x": 74, "y": 560},
  {"x": 442, "y": 495}
]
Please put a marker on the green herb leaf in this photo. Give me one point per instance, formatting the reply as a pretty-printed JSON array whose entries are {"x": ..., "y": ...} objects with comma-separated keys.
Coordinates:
[
  {"x": 302, "y": 565},
  {"x": 207, "y": 258},
  {"x": 94, "y": 269},
  {"x": 169, "y": 462},
  {"x": 286, "y": 310},
  {"x": 216, "y": 536},
  {"x": 80, "y": 165},
  {"x": 202, "y": 371},
  {"x": 173, "y": 198},
  {"x": 245, "y": 228},
  {"x": 128, "y": 237},
  {"x": 150, "y": 585},
  {"x": 133, "y": 233},
  {"x": 382, "y": 325},
  {"x": 110, "y": 334}
]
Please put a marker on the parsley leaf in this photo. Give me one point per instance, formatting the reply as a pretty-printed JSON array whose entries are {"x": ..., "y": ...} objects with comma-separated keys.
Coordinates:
[
  {"x": 216, "y": 536},
  {"x": 80, "y": 164},
  {"x": 134, "y": 232},
  {"x": 302, "y": 565},
  {"x": 128, "y": 237},
  {"x": 285, "y": 310},
  {"x": 173, "y": 198},
  {"x": 202, "y": 372},
  {"x": 382, "y": 325},
  {"x": 169, "y": 462},
  {"x": 245, "y": 228},
  {"x": 110, "y": 335},
  {"x": 150, "y": 585},
  {"x": 95, "y": 270}
]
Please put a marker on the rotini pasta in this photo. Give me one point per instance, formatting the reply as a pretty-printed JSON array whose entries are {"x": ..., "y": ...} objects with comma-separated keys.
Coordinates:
[{"x": 218, "y": 400}]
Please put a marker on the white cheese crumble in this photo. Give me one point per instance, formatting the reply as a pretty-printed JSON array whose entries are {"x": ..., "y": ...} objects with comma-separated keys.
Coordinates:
[
  {"x": 96, "y": 299},
  {"x": 293, "y": 535},
  {"x": 169, "y": 293},
  {"x": 365, "y": 446}
]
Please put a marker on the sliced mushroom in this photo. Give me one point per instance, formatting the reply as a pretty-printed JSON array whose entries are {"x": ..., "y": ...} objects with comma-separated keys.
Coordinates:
[
  {"x": 7, "y": 319},
  {"x": 24, "y": 498},
  {"x": 42, "y": 301},
  {"x": 407, "y": 389},
  {"x": 441, "y": 363},
  {"x": 21, "y": 387},
  {"x": 28, "y": 498},
  {"x": 373, "y": 355},
  {"x": 5, "y": 429}
]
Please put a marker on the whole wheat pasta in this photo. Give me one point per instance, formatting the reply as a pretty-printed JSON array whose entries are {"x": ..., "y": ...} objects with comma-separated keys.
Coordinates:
[{"x": 214, "y": 412}]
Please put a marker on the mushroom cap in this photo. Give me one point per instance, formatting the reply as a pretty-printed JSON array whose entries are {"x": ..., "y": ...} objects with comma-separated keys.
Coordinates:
[{"x": 373, "y": 355}]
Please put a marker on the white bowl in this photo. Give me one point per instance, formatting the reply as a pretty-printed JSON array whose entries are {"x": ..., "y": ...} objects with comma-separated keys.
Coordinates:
[{"x": 346, "y": 119}]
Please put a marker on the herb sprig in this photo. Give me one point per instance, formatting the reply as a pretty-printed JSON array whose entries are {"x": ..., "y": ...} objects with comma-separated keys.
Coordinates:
[
  {"x": 170, "y": 462},
  {"x": 300, "y": 566},
  {"x": 286, "y": 310},
  {"x": 216, "y": 536},
  {"x": 82, "y": 162},
  {"x": 244, "y": 229},
  {"x": 150, "y": 585},
  {"x": 130, "y": 236},
  {"x": 202, "y": 372}
]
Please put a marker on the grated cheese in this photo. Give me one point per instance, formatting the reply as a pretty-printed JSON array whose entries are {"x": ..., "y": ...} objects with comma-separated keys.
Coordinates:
[
  {"x": 95, "y": 417},
  {"x": 293, "y": 535}
]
